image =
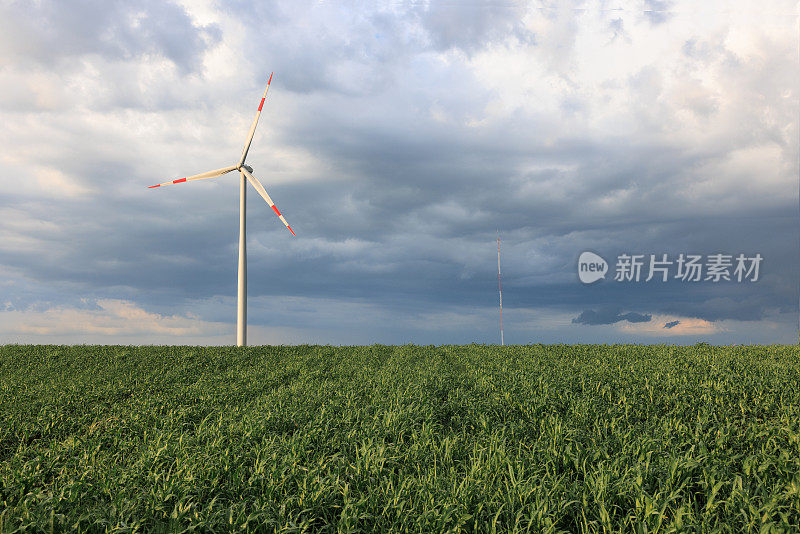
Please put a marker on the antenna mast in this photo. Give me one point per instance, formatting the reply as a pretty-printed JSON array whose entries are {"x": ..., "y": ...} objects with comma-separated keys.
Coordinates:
[{"x": 500, "y": 288}]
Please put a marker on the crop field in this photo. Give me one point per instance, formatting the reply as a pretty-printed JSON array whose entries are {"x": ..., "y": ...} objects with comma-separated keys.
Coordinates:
[{"x": 533, "y": 438}]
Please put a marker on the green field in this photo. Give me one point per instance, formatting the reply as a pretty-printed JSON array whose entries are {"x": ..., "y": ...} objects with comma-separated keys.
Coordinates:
[{"x": 421, "y": 439}]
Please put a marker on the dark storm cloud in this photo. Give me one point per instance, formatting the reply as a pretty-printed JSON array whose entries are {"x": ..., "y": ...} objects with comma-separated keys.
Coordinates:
[
  {"x": 610, "y": 316},
  {"x": 182, "y": 244},
  {"x": 671, "y": 324}
]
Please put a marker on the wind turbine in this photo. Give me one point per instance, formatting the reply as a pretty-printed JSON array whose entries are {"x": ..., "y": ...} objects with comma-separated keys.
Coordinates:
[{"x": 246, "y": 175}]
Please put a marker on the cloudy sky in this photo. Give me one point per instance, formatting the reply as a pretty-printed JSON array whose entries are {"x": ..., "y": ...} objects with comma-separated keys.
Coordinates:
[{"x": 397, "y": 140}]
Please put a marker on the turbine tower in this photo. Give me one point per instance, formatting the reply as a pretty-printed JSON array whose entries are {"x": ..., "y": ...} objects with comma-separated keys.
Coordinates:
[{"x": 245, "y": 172}]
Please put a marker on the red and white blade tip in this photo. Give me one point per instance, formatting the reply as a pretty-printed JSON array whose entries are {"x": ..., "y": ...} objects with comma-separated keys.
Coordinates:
[
  {"x": 261, "y": 104},
  {"x": 281, "y": 217},
  {"x": 178, "y": 181}
]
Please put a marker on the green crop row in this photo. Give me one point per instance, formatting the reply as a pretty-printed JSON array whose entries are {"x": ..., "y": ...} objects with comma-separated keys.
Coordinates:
[{"x": 532, "y": 438}]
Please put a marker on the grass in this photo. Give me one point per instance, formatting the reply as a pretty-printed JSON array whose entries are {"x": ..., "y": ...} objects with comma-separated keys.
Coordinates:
[{"x": 420, "y": 439}]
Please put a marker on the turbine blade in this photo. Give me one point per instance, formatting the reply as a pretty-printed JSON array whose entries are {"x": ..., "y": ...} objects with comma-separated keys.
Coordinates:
[
  {"x": 209, "y": 174},
  {"x": 263, "y": 192},
  {"x": 255, "y": 122}
]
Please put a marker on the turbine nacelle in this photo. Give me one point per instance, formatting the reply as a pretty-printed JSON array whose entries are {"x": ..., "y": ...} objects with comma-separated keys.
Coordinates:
[{"x": 248, "y": 168}]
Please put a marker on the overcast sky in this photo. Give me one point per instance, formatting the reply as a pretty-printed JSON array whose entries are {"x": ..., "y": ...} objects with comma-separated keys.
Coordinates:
[{"x": 396, "y": 140}]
